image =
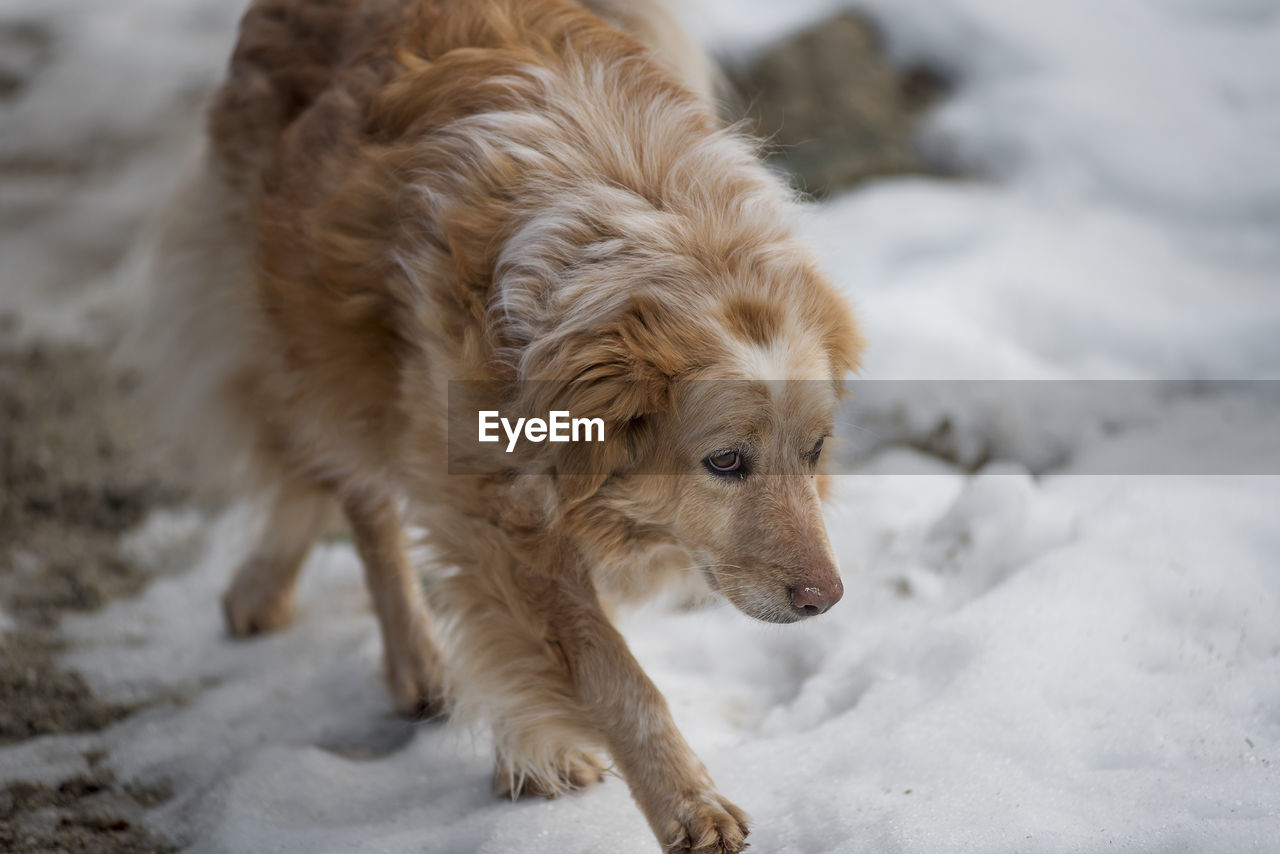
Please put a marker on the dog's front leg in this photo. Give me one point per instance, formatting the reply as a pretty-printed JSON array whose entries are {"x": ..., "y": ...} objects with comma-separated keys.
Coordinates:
[{"x": 667, "y": 780}]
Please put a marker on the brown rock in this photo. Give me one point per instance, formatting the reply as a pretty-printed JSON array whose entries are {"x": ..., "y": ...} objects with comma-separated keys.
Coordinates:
[{"x": 832, "y": 108}]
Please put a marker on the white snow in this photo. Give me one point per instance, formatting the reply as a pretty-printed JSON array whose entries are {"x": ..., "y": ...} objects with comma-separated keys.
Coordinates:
[{"x": 1037, "y": 664}]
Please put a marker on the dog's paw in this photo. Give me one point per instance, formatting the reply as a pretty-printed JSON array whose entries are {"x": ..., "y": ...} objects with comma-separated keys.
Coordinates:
[
  {"x": 412, "y": 670},
  {"x": 577, "y": 770},
  {"x": 253, "y": 608},
  {"x": 705, "y": 824}
]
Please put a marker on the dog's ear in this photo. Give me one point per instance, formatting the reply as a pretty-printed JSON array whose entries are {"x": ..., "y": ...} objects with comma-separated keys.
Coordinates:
[
  {"x": 621, "y": 372},
  {"x": 842, "y": 339}
]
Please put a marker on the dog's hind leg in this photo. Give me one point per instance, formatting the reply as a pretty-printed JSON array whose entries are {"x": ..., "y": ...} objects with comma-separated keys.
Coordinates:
[
  {"x": 509, "y": 675},
  {"x": 260, "y": 597},
  {"x": 543, "y": 750},
  {"x": 413, "y": 665},
  {"x": 542, "y": 765}
]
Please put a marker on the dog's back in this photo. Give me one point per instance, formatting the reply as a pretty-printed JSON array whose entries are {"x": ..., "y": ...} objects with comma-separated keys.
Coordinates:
[
  {"x": 311, "y": 62},
  {"x": 298, "y": 82}
]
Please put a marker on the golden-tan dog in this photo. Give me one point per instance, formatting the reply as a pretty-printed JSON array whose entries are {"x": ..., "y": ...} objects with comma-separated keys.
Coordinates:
[{"x": 534, "y": 195}]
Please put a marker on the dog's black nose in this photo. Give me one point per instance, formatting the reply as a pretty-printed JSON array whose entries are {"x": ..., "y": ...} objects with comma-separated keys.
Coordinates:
[{"x": 812, "y": 601}]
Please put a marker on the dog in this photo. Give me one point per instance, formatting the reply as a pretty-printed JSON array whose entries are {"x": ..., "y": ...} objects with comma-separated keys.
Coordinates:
[{"x": 533, "y": 198}]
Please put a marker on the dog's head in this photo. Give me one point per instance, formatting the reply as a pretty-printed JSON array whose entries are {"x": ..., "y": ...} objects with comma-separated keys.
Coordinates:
[
  {"x": 748, "y": 506},
  {"x": 717, "y": 402}
]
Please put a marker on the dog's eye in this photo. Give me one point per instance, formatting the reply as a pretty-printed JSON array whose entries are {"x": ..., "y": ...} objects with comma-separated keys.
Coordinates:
[
  {"x": 817, "y": 450},
  {"x": 725, "y": 462}
]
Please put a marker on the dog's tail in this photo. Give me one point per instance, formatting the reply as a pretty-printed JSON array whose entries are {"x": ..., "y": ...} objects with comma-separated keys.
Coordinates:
[{"x": 189, "y": 329}]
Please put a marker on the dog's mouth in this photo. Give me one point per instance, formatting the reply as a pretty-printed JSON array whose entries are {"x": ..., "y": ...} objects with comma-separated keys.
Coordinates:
[
  {"x": 763, "y": 605},
  {"x": 778, "y": 612}
]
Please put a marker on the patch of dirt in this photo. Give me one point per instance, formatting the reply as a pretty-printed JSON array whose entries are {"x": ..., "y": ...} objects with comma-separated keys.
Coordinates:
[
  {"x": 71, "y": 483},
  {"x": 91, "y": 814},
  {"x": 25, "y": 48},
  {"x": 833, "y": 109},
  {"x": 37, "y": 698}
]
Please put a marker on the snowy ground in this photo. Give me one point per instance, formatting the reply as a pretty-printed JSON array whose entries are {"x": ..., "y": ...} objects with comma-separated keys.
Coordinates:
[{"x": 1037, "y": 664}]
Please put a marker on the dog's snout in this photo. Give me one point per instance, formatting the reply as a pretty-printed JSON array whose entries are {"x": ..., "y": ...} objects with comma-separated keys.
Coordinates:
[{"x": 811, "y": 601}]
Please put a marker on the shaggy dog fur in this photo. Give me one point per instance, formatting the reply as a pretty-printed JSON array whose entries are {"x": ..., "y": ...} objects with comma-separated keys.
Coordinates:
[{"x": 534, "y": 194}]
